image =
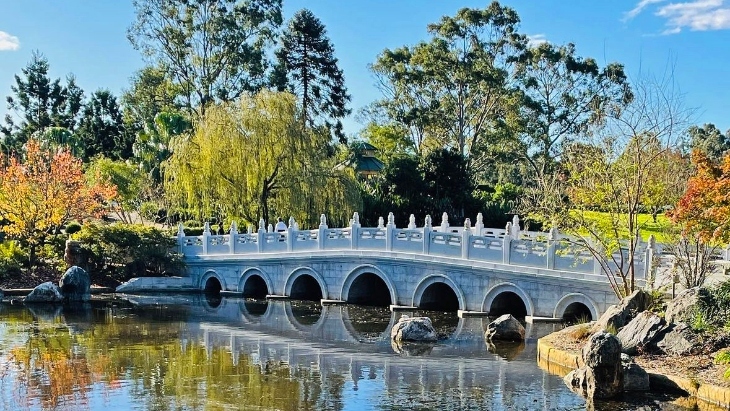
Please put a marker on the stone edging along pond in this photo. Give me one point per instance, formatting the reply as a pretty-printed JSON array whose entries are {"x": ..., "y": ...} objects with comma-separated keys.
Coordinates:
[{"x": 560, "y": 362}]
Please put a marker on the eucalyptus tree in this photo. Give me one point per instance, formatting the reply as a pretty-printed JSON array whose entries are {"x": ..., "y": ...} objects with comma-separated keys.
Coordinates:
[
  {"x": 307, "y": 67},
  {"x": 451, "y": 90},
  {"x": 214, "y": 50},
  {"x": 252, "y": 158},
  {"x": 710, "y": 140},
  {"x": 563, "y": 97}
]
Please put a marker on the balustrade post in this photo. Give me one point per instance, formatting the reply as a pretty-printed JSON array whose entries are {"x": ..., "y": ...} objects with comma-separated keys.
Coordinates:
[
  {"x": 412, "y": 222},
  {"x": 290, "y": 236},
  {"x": 322, "y": 231},
  {"x": 465, "y": 239},
  {"x": 233, "y": 235},
  {"x": 389, "y": 231},
  {"x": 444, "y": 222},
  {"x": 427, "y": 230},
  {"x": 552, "y": 248},
  {"x": 649, "y": 253},
  {"x": 479, "y": 226},
  {"x": 206, "y": 236},
  {"x": 506, "y": 243},
  {"x": 260, "y": 236},
  {"x": 355, "y": 231},
  {"x": 180, "y": 237},
  {"x": 515, "y": 232}
]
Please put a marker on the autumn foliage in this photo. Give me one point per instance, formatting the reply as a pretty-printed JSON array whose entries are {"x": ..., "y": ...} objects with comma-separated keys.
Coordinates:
[
  {"x": 44, "y": 190},
  {"x": 705, "y": 207}
]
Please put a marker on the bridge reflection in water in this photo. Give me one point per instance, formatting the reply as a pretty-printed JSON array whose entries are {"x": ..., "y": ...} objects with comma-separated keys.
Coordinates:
[{"x": 331, "y": 342}]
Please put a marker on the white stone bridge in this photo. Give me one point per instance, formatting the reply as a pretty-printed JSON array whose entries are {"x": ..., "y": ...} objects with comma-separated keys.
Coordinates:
[{"x": 472, "y": 269}]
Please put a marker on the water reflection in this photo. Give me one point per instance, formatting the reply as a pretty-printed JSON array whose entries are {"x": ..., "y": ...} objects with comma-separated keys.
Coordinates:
[{"x": 182, "y": 352}]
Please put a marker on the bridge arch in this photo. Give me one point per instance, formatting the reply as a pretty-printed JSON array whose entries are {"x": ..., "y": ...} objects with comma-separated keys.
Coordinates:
[
  {"x": 207, "y": 281},
  {"x": 574, "y": 299},
  {"x": 499, "y": 289},
  {"x": 422, "y": 286},
  {"x": 305, "y": 271},
  {"x": 366, "y": 269},
  {"x": 250, "y": 274},
  {"x": 291, "y": 316}
]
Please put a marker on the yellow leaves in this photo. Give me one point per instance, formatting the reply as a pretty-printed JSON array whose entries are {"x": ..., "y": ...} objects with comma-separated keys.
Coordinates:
[{"x": 46, "y": 190}]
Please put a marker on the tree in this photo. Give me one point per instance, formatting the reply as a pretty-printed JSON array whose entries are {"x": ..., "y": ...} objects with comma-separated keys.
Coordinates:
[
  {"x": 131, "y": 183},
  {"x": 153, "y": 114},
  {"x": 391, "y": 140},
  {"x": 252, "y": 159},
  {"x": 562, "y": 97},
  {"x": 102, "y": 128},
  {"x": 306, "y": 66},
  {"x": 213, "y": 50},
  {"x": 709, "y": 140},
  {"x": 451, "y": 91},
  {"x": 613, "y": 173},
  {"x": 38, "y": 103},
  {"x": 43, "y": 192}
]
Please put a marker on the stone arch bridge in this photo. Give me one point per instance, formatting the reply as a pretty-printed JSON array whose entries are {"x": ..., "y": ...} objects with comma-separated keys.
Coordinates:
[{"x": 472, "y": 270}]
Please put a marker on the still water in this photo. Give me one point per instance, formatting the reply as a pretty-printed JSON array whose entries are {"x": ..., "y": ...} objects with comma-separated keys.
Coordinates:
[{"x": 192, "y": 352}]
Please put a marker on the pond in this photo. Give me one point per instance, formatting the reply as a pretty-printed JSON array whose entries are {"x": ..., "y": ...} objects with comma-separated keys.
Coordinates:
[{"x": 192, "y": 352}]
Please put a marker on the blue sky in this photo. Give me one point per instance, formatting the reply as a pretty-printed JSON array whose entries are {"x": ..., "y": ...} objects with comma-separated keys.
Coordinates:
[{"x": 690, "y": 38}]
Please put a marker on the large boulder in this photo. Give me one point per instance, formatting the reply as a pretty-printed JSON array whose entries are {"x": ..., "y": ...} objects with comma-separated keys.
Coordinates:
[
  {"x": 639, "y": 332},
  {"x": 601, "y": 376},
  {"x": 505, "y": 328},
  {"x": 45, "y": 293},
  {"x": 681, "y": 308},
  {"x": 616, "y": 316},
  {"x": 678, "y": 339},
  {"x": 75, "y": 284},
  {"x": 635, "y": 377},
  {"x": 413, "y": 329}
]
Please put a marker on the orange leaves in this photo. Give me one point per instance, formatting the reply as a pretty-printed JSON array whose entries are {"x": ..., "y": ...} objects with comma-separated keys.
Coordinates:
[
  {"x": 705, "y": 206},
  {"x": 44, "y": 190}
]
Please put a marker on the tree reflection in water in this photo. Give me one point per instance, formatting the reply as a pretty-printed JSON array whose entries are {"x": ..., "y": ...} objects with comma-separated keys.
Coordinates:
[{"x": 169, "y": 354}]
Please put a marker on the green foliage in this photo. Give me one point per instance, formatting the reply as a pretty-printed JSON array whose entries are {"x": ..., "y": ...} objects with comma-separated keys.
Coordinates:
[
  {"x": 129, "y": 250},
  {"x": 213, "y": 51},
  {"x": 306, "y": 66},
  {"x": 713, "y": 308},
  {"x": 253, "y": 159},
  {"x": 12, "y": 258},
  {"x": 723, "y": 357},
  {"x": 132, "y": 185},
  {"x": 102, "y": 129},
  {"x": 72, "y": 228}
]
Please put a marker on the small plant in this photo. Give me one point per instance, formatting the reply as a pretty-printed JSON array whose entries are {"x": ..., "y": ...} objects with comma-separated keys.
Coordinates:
[
  {"x": 73, "y": 227},
  {"x": 611, "y": 329},
  {"x": 12, "y": 258},
  {"x": 581, "y": 332},
  {"x": 723, "y": 358}
]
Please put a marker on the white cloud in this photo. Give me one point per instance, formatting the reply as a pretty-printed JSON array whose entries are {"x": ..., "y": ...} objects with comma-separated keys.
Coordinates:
[
  {"x": 697, "y": 15},
  {"x": 534, "y": 40},
  {"x": 8, "y": 42},
  {"x": 640, "y": 6}
]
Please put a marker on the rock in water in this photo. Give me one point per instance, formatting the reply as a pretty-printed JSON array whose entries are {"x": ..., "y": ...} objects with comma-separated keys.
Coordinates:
[
  {"x": 45, "y": 293},
  {"x": 505, "y": 328},
  {"x": 639, "y": 333},
  {"x": 75, "y": 284},
  {"x": 635, "y": 377},
  {"x": 413, "y": 329},
  {"x": 602, "y": 376}
]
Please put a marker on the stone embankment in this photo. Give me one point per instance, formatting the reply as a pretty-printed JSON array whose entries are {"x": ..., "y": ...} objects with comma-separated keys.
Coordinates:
[{"x": 570, "y": 352}]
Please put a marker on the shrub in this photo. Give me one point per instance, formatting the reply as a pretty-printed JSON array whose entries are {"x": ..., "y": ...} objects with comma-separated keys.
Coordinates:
[
  {"x": 73, "y": 227},
  {"x": 12, "y": 258},
  {"x": 129, "y": 250}
]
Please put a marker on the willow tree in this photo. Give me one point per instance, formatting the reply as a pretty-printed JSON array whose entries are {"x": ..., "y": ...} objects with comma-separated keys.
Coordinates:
[{"x": 252, "y": 158}]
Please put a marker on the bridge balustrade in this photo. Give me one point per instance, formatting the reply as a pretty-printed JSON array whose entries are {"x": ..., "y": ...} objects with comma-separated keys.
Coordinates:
[{"x": 505, "y": 246}]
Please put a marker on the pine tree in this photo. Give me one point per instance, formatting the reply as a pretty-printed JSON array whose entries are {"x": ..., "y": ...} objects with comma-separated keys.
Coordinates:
[{"x": 307, "y": 67}]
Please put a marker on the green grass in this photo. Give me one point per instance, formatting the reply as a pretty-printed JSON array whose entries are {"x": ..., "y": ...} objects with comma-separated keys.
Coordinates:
[{"x": 648, "y": 226}]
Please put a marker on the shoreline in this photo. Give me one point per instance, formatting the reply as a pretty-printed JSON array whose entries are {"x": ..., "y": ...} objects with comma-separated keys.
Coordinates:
[{"x": 561, "y": 362}]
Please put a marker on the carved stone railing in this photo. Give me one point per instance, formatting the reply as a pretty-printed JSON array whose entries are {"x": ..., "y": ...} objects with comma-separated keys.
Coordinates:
[{"x": 510, "y": 245}]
